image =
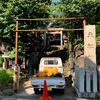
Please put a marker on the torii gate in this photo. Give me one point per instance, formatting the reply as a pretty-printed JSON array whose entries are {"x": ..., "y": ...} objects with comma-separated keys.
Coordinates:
[
  {"x": 57, "y": 32},
  {"x": 16, "y": 46}
]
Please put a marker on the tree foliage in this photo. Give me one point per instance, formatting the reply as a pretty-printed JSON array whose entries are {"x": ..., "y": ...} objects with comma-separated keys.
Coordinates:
[
  {"x": 10, "y": 9},
  {"x": 77, "y": 8}
]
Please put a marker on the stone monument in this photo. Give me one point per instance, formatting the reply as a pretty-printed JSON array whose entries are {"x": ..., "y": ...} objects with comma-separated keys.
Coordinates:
[{"x": 89, "y": 48}]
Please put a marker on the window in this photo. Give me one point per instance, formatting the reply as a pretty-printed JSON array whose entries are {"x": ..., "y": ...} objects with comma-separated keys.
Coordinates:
[{"x": 50, "y": 62}]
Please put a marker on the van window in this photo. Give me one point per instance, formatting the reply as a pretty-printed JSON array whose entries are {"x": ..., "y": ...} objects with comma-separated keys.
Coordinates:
[{"x": 50, "y": 62}]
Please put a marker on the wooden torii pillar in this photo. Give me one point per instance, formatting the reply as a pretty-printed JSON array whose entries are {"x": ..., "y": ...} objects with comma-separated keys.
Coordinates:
[{"x": 16, "y": 59}]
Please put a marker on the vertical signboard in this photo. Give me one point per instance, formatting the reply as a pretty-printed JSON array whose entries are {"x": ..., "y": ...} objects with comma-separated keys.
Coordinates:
[{"x": 89, "y": 48}]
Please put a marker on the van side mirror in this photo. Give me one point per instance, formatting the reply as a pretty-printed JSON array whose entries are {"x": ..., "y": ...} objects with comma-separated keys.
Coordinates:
[{"x": 63, "y": 65}]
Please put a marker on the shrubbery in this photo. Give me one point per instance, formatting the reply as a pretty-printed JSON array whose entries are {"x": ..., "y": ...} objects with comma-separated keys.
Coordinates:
[{"x": 6, "y": 76}]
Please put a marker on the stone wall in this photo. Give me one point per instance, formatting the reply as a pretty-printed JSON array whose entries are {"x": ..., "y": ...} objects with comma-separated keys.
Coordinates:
[
  {"x": 87, "y": 83},
  {"x": 5, "y": 91},
  {"x": 79, "y": 56}
]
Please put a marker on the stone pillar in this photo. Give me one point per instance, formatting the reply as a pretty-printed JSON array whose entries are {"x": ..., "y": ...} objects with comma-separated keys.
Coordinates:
[
  {"x": 88, "y": 85},
  {"x": 99, "y": 77},
  {"x": 81, "y": 79},
  {"x": 76, "y": 75},
  {"x": 89, "y": 48},
  {"x": 4, "y": 64},
  {"x": 94, "y": 81},
  {"x": 72, "y": 66}
]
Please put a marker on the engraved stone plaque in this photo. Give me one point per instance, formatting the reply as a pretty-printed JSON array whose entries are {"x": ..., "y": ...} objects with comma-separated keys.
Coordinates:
[{"x": 89, "y": 48}]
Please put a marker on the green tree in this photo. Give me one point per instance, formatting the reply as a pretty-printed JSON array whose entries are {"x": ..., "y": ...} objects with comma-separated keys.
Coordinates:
[
  {"x": 76, "y": 8},
  {"x": 10, "y": 9}
]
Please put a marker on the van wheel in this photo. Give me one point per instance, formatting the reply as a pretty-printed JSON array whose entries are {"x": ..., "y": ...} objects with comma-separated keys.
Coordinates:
[{"x": 36, "y": 91}]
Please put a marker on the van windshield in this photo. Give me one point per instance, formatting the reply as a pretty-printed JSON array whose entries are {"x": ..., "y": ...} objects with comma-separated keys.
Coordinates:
[{"x": 50, "y": 62}]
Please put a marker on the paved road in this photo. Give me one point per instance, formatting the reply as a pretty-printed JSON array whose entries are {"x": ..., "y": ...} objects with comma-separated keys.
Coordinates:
[
  {"x": 28, "y": 94},
  {"x": 55, "y": 96}
]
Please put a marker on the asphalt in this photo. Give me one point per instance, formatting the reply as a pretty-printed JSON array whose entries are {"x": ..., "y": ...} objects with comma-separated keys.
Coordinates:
[{"x": 28, "y": 94}]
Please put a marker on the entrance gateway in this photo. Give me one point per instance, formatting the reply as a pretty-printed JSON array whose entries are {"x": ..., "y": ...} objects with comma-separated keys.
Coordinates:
[{"x": 85, "y": 28}]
